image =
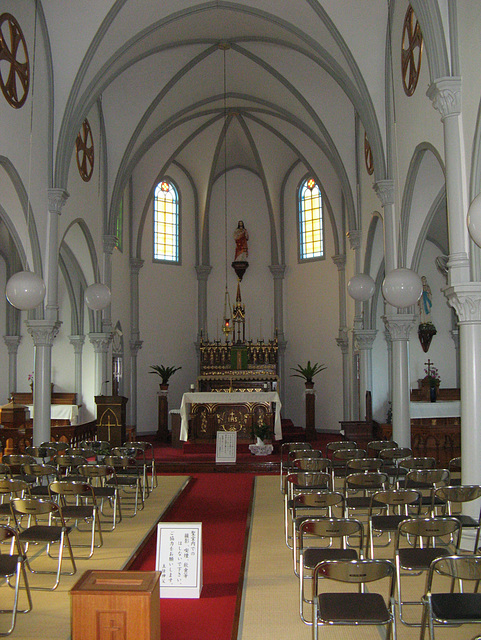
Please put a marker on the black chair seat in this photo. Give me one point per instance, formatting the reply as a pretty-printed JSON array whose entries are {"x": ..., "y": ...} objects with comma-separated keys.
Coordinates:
[
  {"x": 387, "y": 523},
  {"x": 313, "y": 556},
  {"x": 79, "y": 512},
  {"x": 42, "y": 533},
  {"x": 358, "y": 502},
  {"x": 418, "y": 559},
  {"x": 8, "y": 564},
  {"x": 457, "y": 606},
  {"x": 353, "y": 607},
  {"x": 466, "y": 521},
  {"x": 39, "y": 491}
]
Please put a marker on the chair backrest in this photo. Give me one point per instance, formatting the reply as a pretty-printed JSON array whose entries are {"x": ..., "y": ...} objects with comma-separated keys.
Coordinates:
[
  {"x": 318, "y": 499},
  {"x": 465, "y": 567},
  {"x": 458, "y": 494},
  {"x": 396, "y": 500},
  {"x": 99, "y": 471},
  {"x": 340, "y": 528},
  {"x": 39, "y": 470},
  {"x": 417, "y": 463},
  {"x": 303, "y": 453},
  {"x": 378, "y": 445},
  {"x": 67, "y": 462},
  {"x": 17, "y": 459},
  {"x": 11, "y": 486},
  {"x": 34, "y": 507},
  {"x": 430, "y": 530},
  {"x": 58, "y": 446},
  {"x": 7, "y": 533},
  {"x": 305, "y": 479},
  {"x": 355, "y": 571},
  {"x": 85, "y": 452},
  {"x": 46, "y": 453},
  {"x": 429, "y": 477},
  {"x": 366, "y": 482},
  {"x": 395, "y": 453},
  {"x": 311, "y": 464},
  {"x": 363, "y": 464},
  {"x": 337, "y": 445},
  {"x": 343, "y": 455},
  {"x": 119, "y": 462},
  {"x": 454, "y": 465},
  {"x": 5, "y": 471},
  {"x": 72, "y": 488}
]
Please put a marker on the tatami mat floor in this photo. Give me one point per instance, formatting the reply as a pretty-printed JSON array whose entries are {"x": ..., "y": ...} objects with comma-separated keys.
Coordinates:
[
  {"x": 50, "y": 617},
  {"x": 270, "y": 599}
]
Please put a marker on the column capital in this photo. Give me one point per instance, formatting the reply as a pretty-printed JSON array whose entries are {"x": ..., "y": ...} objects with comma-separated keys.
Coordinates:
[
  {"x": 400, "y": 325},
  {"x": 385, "y": 191},
  {"x": 445, "y": 94},
  {"x": 12, "y": 343},
  {"x": 135, "y": 346},
  {"x": 136, "y": 265},
  {"x": 43, "y": 332},
  {"x": 203, "y": 271},
  {"x": 109, "y": 243},
  {"x": 56, "y": 199},
  {"x": 100, "y": 341},
  {"x": 278, "y": 271},
  {"x": 342, "y": 340},
  {"x": 364, "y": 338},
  {"x": 465, "y": 298},
  {"x": 77, "y": 342},
  {"x": 340, "y": 261},
  {"x": 354, "y": 238}
]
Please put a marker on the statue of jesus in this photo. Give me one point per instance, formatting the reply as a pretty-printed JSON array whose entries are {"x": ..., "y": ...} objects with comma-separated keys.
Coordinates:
[{"x": 241, "y": 237}]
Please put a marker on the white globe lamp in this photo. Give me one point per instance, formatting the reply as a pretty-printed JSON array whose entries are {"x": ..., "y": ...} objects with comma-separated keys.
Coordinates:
[
  {"x": 361, "y": 287},
  {"x": 402, "y": 288},
  {"x": 97, "y": 296},
  {"x": 25, "y": 290},
  {"x": 474, "y": 220}
]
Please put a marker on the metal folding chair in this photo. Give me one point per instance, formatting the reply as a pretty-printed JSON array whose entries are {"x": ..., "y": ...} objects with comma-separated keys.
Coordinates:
[
  {"x": 42, "y": 534},
  {"x": 418, "y": 542},
  {"x": 348, "y": 532},
  {"x": 286, "y": 448},
  {"x": 444, "y": 608},
  {"x": 453, "y": 498},
  {"x": 360, "y": 607},
  {"x": 13, "y": 566}
]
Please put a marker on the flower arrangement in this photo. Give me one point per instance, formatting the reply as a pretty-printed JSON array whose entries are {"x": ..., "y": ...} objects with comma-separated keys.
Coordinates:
[
  {"x": 432, "y": 376},
  {"x": 261, "y": 430},
  {"x": 30, "y": 378}
]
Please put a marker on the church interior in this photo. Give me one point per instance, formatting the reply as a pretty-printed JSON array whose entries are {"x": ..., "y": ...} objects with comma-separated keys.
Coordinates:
[{"x": 208, "y": 198}]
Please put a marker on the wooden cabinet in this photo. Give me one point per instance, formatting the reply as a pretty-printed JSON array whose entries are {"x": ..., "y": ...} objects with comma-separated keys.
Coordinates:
[
  {"x": 112, "y": 419},
  {"x": 116, "y": 604}
]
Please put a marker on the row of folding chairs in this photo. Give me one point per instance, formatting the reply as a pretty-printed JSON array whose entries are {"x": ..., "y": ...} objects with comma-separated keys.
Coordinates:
[{"x": 422, "y": 544}]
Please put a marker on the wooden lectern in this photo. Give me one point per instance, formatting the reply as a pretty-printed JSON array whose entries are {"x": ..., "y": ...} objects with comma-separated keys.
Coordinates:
[{"x": 112, "y": 419}]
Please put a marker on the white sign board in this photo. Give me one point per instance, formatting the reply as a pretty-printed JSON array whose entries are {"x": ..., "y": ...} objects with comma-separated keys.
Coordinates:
[
  {"x": 226, "y": 446},
  {"x": 179, "y": 559}
]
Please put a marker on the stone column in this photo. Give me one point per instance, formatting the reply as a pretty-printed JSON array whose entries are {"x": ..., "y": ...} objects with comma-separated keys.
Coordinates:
[
  {"x": 78, "y": 343},
  {"x": 363, "y": 341},
  {"x": 43, "y": 333},
  {"x": 399, "y": 327},
  {"x": 445, "y": 94},
  {"x": 135, "y": 346},
  {"x": 203, "y": 271},
  {"x": 278, "y": 272},
  {"x": 101, "y": 343},
  {"x": 343, "y": 343},
  {"x": 109, "y": 243},
  {"x": 466, "y": 300},
  {"x": 12, "y": 343},
  {"x": 56, "y": 199},
  {"x": 385, "y": 192},
  {"x": 135, "y": 343}
]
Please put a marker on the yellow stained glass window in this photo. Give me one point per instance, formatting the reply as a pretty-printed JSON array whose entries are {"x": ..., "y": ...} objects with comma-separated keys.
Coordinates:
[
  {"x": 166, "y": 222},
  {"x": 311, "y": 232}
]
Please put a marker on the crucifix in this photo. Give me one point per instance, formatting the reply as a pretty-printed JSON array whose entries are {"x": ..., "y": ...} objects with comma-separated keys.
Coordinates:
[{"x": 428, "y": 364}]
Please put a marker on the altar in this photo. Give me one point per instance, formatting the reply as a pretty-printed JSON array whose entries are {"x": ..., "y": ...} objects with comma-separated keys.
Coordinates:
[{"x": 209, "y": 412}]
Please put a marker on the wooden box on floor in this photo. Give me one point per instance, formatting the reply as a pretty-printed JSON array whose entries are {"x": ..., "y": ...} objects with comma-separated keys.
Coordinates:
[{"x": 116, "y": 604}]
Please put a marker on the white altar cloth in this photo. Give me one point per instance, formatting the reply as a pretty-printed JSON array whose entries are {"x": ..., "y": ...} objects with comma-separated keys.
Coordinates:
[
  {"x": 450, "y": 409},
  {"x": 228, "y": 398},
  {"x": 60, "y": 412}
]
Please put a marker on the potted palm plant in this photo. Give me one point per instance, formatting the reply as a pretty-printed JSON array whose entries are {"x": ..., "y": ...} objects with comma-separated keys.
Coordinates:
[
  {"x": 261, "y": 431},
  {"x": 308, "y": 372},
  {"x": 164, "y": 373}
]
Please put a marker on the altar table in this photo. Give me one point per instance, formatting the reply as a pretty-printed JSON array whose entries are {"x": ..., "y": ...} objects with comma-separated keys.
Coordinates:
[
  {"x": 257, "y": 397},
  {"x": 64, "y": 412}
]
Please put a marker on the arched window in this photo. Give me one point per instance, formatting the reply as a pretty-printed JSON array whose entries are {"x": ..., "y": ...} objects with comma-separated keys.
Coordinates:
[
  {"x": 311, "y": 230},
  {"x": 166, "y": 223}
]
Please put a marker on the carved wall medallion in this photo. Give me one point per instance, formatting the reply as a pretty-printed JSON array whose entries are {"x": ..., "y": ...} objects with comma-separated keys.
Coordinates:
[
  {"x": 14, "y": 62},
  {"x": 411, "y": 52},
  {"x": 368, "y": 156},
  {"x": 84, "y": 146}
]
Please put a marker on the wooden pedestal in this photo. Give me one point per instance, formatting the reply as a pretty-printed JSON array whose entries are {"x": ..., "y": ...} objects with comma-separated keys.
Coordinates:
[
  {"x": 124, "y": 605},
  {"x": 310, "y": 413},
  {"x": 163, "y": 416}
]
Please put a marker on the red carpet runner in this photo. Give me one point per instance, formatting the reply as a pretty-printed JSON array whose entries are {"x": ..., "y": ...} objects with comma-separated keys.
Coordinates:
[{"x": 221, "y": 501}]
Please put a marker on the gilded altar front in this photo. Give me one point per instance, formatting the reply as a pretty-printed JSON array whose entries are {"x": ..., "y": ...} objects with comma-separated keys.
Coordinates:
[{"x": 207, "y": 419}]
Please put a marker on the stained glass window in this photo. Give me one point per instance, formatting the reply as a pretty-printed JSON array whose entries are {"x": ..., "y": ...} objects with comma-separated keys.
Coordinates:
[
  {"x": 166, "y": 222},
  {"x": 311, "y": 232}
]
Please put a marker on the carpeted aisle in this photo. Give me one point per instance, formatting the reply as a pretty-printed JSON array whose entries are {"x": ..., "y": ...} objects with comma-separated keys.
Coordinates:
[{"x": 221, "y": 501}]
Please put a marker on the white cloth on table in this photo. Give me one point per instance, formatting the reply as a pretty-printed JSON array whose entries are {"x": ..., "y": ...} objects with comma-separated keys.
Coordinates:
[{"x": 60, "y": 412}]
